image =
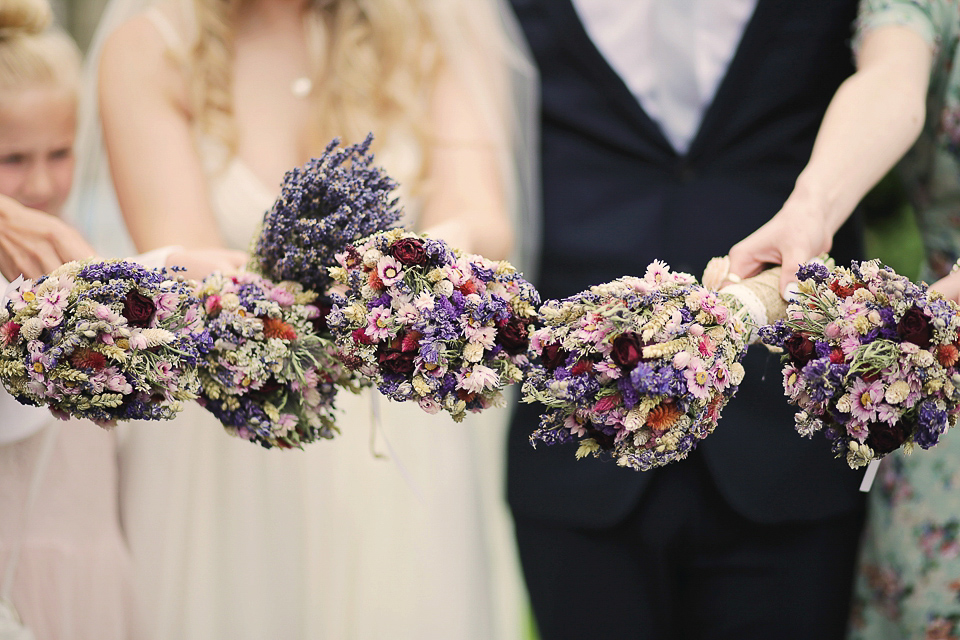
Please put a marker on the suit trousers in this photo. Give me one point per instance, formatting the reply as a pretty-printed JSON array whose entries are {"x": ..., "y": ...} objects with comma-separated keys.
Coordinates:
[{"x": 684, "y": 565}]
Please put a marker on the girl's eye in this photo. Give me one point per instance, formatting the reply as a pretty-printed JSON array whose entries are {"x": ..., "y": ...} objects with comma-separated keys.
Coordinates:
[
  {"x": 13, "y": 158},
  {"x": 61, "y": 154}
]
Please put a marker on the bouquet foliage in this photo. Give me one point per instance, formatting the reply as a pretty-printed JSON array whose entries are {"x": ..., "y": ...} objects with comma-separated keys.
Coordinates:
[
  {"x": 870, "y": 359},
  {"x": 105, "y": 340},
  {"x": 430, "y": 324}
]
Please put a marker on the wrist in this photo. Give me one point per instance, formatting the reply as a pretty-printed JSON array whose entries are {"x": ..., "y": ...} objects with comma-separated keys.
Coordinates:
[{"x": 820, "y": 202}]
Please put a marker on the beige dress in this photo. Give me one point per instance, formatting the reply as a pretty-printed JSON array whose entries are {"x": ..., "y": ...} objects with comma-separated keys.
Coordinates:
[
  {"x": 233, "y": 541},
  {"x": 72, "y": 581}
]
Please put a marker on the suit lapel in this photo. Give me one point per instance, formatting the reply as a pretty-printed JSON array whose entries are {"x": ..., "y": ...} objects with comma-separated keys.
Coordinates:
[
  {"x": 585, "y": 53},
  {"x": 749, "y": 55}
]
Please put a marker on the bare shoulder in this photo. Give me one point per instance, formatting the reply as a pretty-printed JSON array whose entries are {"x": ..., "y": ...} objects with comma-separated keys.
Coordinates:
[{"x": 137, "y": 58}]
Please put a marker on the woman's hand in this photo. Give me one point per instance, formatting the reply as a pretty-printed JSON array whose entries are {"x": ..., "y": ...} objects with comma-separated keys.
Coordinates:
[
  {"x": 797, "y": 233},
  {"x": 33, "y": 243}
]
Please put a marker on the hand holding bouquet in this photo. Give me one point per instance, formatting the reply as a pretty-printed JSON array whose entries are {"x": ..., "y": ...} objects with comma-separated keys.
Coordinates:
[
  {"x": 270, "y": 377},
  {"x": 105, "y": 341},
  {"x": 432, "y": 325},
  {"x": 870, "y": 359}
]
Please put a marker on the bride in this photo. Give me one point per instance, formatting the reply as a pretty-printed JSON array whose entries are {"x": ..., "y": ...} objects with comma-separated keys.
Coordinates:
[{"x": 204, "y": 105}]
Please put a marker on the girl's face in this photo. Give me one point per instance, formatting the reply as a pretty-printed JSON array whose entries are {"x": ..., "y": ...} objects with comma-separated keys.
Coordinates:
[{"x": 37, "y": 128}]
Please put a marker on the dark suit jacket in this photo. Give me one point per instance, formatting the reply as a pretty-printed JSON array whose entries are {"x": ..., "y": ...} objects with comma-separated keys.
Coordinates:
[{"x": 616, "y": 196}]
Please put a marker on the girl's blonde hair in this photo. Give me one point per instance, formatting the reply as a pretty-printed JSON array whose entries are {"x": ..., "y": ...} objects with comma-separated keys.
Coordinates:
[
  {"x": 31, "y": 52},
  {"x": 375, "y": 62}
]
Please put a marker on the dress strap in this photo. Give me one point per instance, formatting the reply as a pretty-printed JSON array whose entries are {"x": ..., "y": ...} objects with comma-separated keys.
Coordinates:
[{"x": 166, "y": 29}]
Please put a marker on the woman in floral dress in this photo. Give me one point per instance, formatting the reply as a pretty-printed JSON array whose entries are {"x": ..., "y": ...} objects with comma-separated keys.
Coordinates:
[
  {"x": 908, "y": 585},
  {"x": 903, "y": 102}
]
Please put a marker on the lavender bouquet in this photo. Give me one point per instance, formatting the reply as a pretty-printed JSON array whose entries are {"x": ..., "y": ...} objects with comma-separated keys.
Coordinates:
[
  {"x": 430, "y": 324},
  {"x": 638, "y": 368},
  {"x": 105, "y": 341},
  {"x": 270, "y": 377},
  {"x": 331, "y": 202},
  {"x": 870, "y": 359}
]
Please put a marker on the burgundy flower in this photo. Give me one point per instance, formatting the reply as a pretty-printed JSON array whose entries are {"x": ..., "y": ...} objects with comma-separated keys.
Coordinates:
[
  {"x": 914, "y": 327},
  {"x": 801, "y": 348},
  {"x": 398, "y": 362},
  {"x": 138, "y": 309},
  {"x": 885, "y": 438},
  {"x": 605, "y": 441},
  {"x": 553, "y": 356},
  {"x": 409, "y": 251},
  {"x": 360, "y": 336},
  {"x": 267, "y": 389},
  {"x": 513, "y": 336},
  {"x": 627, "y": 350},
  {"x": 583, "y": 365}
]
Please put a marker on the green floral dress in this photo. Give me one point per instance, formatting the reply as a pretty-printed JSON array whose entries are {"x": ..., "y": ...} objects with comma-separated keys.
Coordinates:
[{"x": 908, "y": 583}]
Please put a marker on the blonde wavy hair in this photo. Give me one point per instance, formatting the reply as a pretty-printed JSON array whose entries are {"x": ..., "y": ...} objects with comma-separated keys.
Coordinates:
[
  {"x": 374, "y": 64},
  {"x": 32, "y": 52}
]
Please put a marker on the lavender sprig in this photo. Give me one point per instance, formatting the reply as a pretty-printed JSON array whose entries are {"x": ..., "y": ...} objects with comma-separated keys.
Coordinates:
[{"x": 328, "y": 204}]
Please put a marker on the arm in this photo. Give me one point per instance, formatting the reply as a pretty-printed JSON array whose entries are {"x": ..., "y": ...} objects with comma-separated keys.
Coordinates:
[
  {"x": 156, "y": 170},
  {"x": 33, "y": 243},
  {"x": 465, "y": 204},
  {"x": 874, "y": 118}
]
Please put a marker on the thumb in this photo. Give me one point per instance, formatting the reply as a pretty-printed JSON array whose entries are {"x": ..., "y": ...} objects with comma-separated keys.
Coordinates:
[{"x": 788, "y": 276}]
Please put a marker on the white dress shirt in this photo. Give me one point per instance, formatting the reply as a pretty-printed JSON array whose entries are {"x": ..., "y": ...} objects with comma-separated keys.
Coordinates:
[{"x": 623, "y": 31}]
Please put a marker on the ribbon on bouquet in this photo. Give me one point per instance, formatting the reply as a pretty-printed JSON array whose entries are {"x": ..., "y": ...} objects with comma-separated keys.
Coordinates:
[
  {"x": 376, "y": 424},
  {"x": 869, "y": 475}
]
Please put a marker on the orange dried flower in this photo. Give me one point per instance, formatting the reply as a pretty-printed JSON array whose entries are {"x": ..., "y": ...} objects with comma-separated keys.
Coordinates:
[
  {"x": 663, "y": 416},
  {"x": 948, "y": 355},
  {"x": 277, "y": 328},
  {"x": 374, "y": 280}
]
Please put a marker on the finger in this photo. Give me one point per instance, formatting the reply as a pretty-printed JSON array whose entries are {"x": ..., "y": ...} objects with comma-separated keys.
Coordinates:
[
  {"x": 43, "y": 258},
  {"x": 744, "y": 261},
  {"x": 70, "y": 245},
  {"x": 792, "y": 260}
]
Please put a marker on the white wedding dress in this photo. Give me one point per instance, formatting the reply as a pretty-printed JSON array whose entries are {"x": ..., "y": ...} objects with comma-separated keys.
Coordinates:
[{"x": 233, "y": 541}]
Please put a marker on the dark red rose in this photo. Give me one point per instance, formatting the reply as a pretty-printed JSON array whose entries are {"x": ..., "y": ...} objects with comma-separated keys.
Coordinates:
[
  {"x": 409, "y": 251},
  {"x": 914, "y": 327},
  {"x": 513, "y": 337},
  {"x": 268, "y": 388},
  {"x": 398, "y": 362},
  {"x": 801, "y": 348},
  {"x": 138, "y": 309},
  {"x": 885, "y": 438},
  {"x": 605, "y": 441},
  {"x": 627, "y": 350},
  {"x": 320, "y": 322},
  {"x": 553, "y": 356}
]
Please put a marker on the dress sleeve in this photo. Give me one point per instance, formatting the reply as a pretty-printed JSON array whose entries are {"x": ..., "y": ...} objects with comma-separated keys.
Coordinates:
[{"x": 931, "y": 19}]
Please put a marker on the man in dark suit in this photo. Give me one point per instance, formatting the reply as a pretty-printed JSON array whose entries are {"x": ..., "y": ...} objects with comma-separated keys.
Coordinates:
[{"x": 671, "y": 129}]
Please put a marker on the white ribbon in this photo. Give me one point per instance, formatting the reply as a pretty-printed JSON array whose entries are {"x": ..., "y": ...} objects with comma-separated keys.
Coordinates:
[
  {"x": 869, "y": 476},
  {"x": 376, "y": 425}
]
